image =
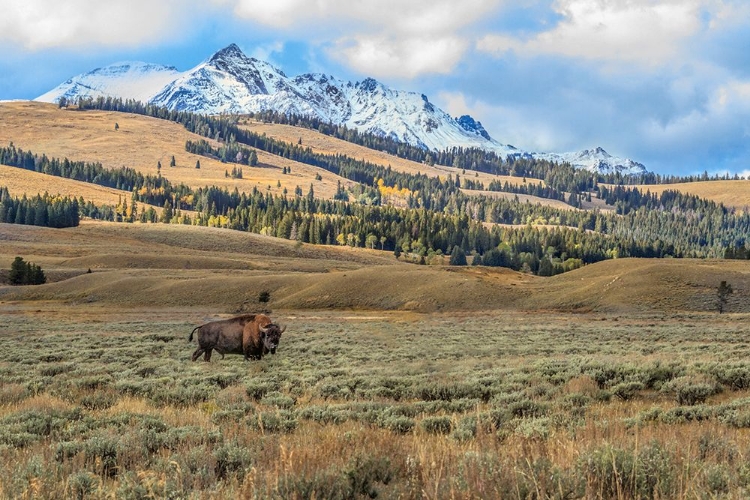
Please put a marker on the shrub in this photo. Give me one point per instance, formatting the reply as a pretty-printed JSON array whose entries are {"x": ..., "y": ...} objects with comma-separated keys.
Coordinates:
[
  {"x": 183, "y": 395},
  {"x": 56, "y": 369},
  {"x": 399, "y": 425},
  {"x": 437, "y": 425},
  {"x": 735, "y": 377},
  {"x": 82, "y": 484},
  {"x": 617, "y": 473},
  {"x": 690, "y": 390},
  {"x": 717, "y": 479},
  {"x": 231, "y": 459},
  {"x": 99, "y": 401},
  {"x": 626, "y": 390},
  {"x": 533, "y": 427},
  {"x": 655, "y": 375},
  {"x": 101, "y": 455},
  {"x": 275, "y": 422},
  {"x": 325, "y": 414},
  {"x": 527, "y": 408},
  {"x": 256, "y": 389},
  {"x": 682, "y": 414},
  {"x": 466, "y": 429},
  {"x": 278, "y": 400}
]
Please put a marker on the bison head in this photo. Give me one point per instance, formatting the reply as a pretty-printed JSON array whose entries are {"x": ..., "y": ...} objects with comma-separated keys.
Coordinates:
[{"x": 270, "y": 336}]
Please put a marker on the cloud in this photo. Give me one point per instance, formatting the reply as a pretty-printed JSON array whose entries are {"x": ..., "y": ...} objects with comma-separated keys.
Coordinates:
[
  {"x": 389, "y": 38},
  {"x": 636, "y": 31},
  {"x": 518, "y": 125},
  {"x": 716, "y": 126},
  {"x": 42, "y": 24},
  {"x": 265, "y": 52},
  {"x": 409, "y": 57}
]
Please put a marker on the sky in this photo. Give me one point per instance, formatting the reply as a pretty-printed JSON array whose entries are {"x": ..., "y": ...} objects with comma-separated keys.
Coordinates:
[{"x": 666, "y": 83}]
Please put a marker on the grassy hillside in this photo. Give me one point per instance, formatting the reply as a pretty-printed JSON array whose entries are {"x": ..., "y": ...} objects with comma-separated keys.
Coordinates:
[
  {"x": 23, "y": 182},
  {"x": 321, "y": 143},
  {"x": 140, "y": 143},
  {"x": 143, "y": 265},
  {"x": 731, "y": 193}
]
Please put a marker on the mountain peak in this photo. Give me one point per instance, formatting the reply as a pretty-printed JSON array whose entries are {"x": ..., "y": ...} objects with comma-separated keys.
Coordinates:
[
  {"x": 229, "y": 56},
  {"x": 231, "y": 50},
  {"x": 369, "y": 85},
  {"x": 232, "y": 82},
  {"x": 471, "y": 125}
]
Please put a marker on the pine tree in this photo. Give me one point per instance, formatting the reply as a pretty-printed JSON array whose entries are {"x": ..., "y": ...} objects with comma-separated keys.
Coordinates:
[
  {"x": 25, "y": 273},
  {"x": 166, "y": 214},
  {"x": 173, "y": 163},
  {"x": 198, "y": 164},
  {"x": 458, "y": 256},
  {"x": 17, "y": 272}
]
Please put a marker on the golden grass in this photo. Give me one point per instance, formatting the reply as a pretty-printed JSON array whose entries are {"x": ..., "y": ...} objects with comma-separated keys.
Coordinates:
[
  {"x": 23, "y": 182},
  {"x": 730, "y": 192},
  {"x": 158, "y": 265},
  {"x": 321, "y": 143},
  {"x": 140, "y": 143}
]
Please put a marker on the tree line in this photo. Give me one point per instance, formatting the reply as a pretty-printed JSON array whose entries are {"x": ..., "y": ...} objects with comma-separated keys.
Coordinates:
[
  {"x": 41, "y": 210},
  {"x": 226, "y": 152}
]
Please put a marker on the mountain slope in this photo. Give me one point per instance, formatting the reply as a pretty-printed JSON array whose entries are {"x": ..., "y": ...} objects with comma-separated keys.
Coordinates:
[
  {"x": 231, "y": 82},
  {"x": 128, "y": 80}
]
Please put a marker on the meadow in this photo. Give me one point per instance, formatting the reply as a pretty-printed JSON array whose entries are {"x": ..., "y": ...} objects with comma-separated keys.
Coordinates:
[{"x": 102, "y": 404}]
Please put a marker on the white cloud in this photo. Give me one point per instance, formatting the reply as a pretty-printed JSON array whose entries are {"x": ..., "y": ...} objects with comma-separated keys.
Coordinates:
[
  {"x": 515, "y": 125},
  {"x": 41, "y": 24},
  {"x": 635, "y": 31},
  {"x": 387, "y": 38},
  {"x": 414, "y": 16},
  {"x": 390, "y": 57},
  {"x": 265, "y": 52}
]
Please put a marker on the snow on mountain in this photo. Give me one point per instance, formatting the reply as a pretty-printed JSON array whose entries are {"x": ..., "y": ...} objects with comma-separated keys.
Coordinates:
[
  {"x": 596, "y": 160},
  {"x": 231, "y": 82},
  {"x": 129, "y": 80}
]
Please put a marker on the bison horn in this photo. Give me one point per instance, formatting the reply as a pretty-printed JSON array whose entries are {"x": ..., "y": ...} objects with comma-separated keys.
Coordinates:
[
  {"x": 282, "y": 329},
  {"x": 265, "y": 329}
]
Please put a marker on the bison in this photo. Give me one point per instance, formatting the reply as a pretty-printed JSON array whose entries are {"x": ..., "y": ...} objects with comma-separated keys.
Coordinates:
[{"x": 252, "y": 335}]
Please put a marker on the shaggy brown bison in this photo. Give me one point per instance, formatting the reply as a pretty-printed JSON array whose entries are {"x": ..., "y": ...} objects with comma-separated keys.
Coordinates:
[{"x": 252, "y": 335}]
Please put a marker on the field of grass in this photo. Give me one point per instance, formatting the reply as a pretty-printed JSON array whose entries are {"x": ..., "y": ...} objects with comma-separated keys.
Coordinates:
[
  {"x": 617, "y": 380},
  {"x": 731, "y": 193},
  {"x": 354, "y": 404},
  {"x": 24, "y": 182},
  {"x": 140, "y": 143}
]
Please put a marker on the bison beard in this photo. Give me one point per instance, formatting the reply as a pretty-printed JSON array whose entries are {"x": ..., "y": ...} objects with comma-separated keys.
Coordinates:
[{"x": 251, "y": 335}]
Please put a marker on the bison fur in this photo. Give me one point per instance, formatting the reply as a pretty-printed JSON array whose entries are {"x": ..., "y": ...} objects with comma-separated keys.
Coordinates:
[{"x": 251, "y": 335}]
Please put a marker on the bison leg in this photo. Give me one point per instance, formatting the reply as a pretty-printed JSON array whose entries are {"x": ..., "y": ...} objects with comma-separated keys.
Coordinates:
[
  {"x": 207, "y": 355},
  {"x": 197, "y": 353}
]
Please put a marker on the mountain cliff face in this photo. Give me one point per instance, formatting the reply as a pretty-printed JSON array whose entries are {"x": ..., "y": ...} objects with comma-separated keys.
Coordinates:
[{"x": 231, "y": 82}]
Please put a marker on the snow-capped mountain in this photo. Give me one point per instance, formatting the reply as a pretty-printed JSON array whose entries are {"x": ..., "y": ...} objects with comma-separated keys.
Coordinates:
[
  {"x": 596, "y": 160},
  {"x": 128, "y": 80},
  {"x": 231, "y": 82}
]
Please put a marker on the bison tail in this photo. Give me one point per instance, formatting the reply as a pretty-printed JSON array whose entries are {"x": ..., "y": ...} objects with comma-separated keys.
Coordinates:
[{"x": 190, "y": 338}]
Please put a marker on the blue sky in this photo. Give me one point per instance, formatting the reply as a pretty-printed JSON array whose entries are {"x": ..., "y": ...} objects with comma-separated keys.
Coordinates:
[{"x": 666, "y": 83}]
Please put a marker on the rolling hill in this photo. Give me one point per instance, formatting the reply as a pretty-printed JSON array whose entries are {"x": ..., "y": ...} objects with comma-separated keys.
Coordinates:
[
  {"x": 159, "y": 265},
  {"x": 140, "y": 143}
]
